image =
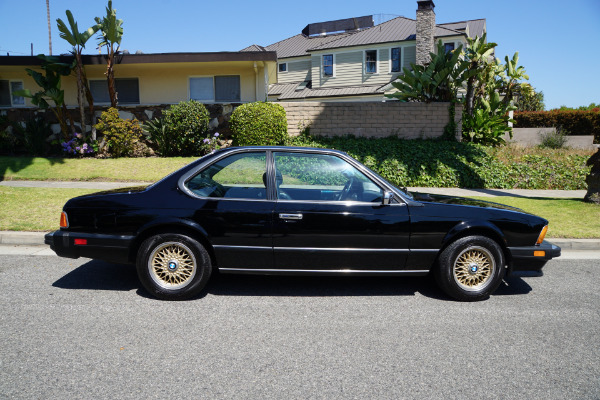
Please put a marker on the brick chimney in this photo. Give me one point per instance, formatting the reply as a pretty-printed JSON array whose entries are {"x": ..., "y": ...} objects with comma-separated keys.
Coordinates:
[{"x": 425, "y": 30}]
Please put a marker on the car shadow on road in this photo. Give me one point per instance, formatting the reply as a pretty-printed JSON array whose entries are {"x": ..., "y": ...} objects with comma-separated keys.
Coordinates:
[{"x": 100, "y": 275}]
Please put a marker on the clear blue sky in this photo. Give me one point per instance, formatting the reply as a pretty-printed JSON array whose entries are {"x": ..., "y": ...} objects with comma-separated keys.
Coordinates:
[{"x": 557, "y": 40}]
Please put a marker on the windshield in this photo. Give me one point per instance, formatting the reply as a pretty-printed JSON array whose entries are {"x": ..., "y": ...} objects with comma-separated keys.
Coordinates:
[{"x": 403, "y": 189}]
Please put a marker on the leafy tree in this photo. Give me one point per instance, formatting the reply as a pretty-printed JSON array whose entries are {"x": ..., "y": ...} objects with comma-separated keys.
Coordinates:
[
  {"x": 78, "y": 40},
  {"x": 437, "y": 81},
  {"x": 528, "y": 99},
  {"x": 50, "y": 85},
  {"x": 111, "y": 33}
]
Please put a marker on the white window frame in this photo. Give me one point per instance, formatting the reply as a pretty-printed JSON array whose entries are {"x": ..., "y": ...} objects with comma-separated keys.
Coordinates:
[
  {"x": 323, "y": 66},
  {"x": 377, "y": 69},
  {"x": 286, "y": 68},
  {"x": 120, "y": 77},
  {"x": 401, "y": 59},
  {"x": 10, "y": 94},
  {"x": 213, "y": 100}
]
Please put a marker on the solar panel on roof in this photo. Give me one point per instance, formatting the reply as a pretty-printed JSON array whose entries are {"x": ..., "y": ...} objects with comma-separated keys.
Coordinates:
[{"x": 340, "y": 25}]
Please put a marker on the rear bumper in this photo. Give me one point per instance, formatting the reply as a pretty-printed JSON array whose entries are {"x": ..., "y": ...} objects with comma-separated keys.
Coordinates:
[
  {"x": 113, "y": 248},
  {"x": 532, "y": 258}
]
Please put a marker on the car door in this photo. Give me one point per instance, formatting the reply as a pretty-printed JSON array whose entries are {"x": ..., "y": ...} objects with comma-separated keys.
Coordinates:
[
  {"x": 233, "y": 206},
  {"x": 330, "y": 216}
]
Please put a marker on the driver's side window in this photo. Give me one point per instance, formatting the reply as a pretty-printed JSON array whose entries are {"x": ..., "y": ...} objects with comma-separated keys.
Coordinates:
[
  {"x": 319, "y": 177},
  {"x": 238, "y": 176}
]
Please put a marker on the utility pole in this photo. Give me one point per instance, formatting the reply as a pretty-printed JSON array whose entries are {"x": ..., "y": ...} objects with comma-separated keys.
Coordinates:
[{"x": 49, "y": 27}]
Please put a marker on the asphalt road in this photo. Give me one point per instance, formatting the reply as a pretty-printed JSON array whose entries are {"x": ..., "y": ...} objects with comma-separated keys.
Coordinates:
[{"x": 82, "y": 329}]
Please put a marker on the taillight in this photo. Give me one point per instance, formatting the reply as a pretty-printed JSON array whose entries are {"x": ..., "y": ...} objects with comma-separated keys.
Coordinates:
[
  {"x": 542, "y": 235},
  {"x": 64, "y": 221}
]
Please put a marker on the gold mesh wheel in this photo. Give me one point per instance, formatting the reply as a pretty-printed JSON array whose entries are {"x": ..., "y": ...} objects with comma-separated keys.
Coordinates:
[
  {"x": 172, "y": 265},
  {"x": 473, "y": 268}
]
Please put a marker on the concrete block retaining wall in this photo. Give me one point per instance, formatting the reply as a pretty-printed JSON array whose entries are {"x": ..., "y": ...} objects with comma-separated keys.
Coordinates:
[{"x": 371, "y": 119}]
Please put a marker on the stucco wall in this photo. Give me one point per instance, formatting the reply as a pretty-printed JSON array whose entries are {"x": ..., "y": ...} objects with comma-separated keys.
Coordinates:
[{"x": 370, "y": 119}]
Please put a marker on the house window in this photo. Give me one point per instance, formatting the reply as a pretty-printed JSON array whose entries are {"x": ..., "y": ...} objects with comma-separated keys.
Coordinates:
[
  {"x": 328, "y": 65},
  {"x": 370, "y": 61},
  {"x": 283, "y": 67},
  {"x": 216, "y": 88},
  {"x": 7, "y": 96},
  {"x": 128, "y": 90},
  {"x": 448, "y": 47},
  {"x": 395, "y": 59}
]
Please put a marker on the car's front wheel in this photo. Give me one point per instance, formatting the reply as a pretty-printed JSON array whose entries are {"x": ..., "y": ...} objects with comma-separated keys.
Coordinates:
[
  {"x": 471, "y": 268},
  {"x": 173, "y": 266}
]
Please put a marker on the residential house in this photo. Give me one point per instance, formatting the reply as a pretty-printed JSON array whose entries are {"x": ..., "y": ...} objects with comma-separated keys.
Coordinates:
[
  {"x": 355, "y": 60},
  {"x": 150, "y": 79}
]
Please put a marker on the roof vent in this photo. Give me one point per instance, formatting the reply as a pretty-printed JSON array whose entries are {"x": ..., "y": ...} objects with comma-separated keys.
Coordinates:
[{"x": 340, "y": 25}]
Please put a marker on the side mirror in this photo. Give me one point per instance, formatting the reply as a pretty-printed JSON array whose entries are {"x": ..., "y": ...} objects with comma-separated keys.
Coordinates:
[{"x": 387, "y": 197}]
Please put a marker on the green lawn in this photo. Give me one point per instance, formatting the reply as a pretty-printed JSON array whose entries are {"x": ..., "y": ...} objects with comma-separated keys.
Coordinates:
[
  {"x": 38, "y": 209},
  {"x": 568, "y": 218},
  {"x": 90, "y": 169}
]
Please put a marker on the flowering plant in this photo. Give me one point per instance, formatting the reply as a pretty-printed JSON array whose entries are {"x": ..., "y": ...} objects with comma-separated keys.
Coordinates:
[
  {"x": 79, "y": 146},
  {"x": 210, "y": 144}
]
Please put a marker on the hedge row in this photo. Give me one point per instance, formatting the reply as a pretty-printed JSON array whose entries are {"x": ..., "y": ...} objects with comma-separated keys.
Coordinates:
[
  {"x": 451, "y": 164},
  {"x": 575, "y": 122}
]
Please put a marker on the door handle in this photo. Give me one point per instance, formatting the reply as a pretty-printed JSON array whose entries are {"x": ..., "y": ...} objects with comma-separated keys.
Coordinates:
[{"x": 290, "y": 216}]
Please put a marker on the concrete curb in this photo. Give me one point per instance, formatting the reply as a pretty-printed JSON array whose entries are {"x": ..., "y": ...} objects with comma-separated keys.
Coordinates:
[{"x": 37, "y": 238}]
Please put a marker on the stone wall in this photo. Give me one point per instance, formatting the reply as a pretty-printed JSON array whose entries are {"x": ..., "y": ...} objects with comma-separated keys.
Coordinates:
[
  {"x": 371, "y": 119},
  {"x": 219, "y": 115}
]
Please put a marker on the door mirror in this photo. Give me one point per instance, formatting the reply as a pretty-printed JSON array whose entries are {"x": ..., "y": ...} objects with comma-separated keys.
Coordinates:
[{"x": 387, "y": 198}]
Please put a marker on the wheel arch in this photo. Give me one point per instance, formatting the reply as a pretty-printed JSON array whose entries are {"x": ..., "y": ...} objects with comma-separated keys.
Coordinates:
[
  {"x": 180, "y": 226},
  {"x": 476, "y": 228}
]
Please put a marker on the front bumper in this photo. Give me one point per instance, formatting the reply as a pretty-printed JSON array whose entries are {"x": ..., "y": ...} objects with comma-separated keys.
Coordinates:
[
  {"x": 532, "y": 258},
  {"x": 113, "y": 248}
]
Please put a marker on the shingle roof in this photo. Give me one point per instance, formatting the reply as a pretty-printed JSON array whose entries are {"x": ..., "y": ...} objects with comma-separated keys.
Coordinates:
[
  {"x": 394, "y": 30},
  {"x": 476, "y": 26},
  {"x": 296, "y": 46},
  {"x": 254, "y": 47},
  {"x": 287, "y": 91}
]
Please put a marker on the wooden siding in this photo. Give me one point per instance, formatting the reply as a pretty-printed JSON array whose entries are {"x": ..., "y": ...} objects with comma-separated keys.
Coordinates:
[{"x": 298, "y": 71}]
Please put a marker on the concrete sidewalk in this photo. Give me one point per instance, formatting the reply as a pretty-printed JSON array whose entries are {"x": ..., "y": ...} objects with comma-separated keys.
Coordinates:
[{"x": 447, "y": 191}]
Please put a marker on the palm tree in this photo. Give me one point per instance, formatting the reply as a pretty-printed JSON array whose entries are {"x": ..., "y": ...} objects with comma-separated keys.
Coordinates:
[
  {"x": 78, "y": 39},
  {"x": 111, "y": 31}
]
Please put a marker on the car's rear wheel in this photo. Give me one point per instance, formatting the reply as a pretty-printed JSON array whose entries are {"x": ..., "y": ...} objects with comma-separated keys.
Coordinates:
[
  {"x": 471, "y": 268},
  {"x": 173, "y": 266}
]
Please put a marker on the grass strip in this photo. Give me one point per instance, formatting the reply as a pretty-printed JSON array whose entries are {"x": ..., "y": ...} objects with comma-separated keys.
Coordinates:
[
  {"x": 90, "y": 169},
  {"x": 38, "y": 209}
]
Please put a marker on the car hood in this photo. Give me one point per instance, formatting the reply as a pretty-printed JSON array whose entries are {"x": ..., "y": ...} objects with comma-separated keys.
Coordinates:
[{"x": 442, "y": 199}]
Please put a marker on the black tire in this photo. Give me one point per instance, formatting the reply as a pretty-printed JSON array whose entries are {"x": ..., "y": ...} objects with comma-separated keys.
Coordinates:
[
  {"x": 471, "y": 268},
  {"x": 173, "y": 266}
]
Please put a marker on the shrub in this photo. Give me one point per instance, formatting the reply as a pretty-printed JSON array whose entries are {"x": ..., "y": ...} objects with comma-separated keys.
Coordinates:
[
  {"x": 80, "y": 146},
  {"x": 575, "y": 122},
  {"x": 554, "y": 139},
  {"x": 186, "y": 124},
  {"x": 33, "y": 136},
  {"x": 433, "y": 163},
  {"x": 258, "y": 124},
  {"x": 121, "y": 134},
  {"x": 160, "y": 137}
]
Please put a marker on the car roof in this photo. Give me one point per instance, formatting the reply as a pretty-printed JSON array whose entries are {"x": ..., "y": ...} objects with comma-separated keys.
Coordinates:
[{"x": 284, "y": 148}]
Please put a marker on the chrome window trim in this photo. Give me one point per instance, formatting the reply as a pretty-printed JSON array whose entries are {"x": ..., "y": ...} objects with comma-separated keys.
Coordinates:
[{"x": 380, "y": 181}]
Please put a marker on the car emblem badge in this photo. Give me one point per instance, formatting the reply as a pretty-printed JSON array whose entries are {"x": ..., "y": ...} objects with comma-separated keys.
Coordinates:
[{"x": 172, "y": 265}]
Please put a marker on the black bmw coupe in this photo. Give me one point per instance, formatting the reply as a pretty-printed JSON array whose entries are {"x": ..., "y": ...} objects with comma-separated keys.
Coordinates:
[{"x": 297, "y": 211}]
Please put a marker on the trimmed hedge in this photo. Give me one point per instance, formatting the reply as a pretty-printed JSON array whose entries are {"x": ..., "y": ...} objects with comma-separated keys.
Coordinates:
[
  {"x": 575, "y": 122},
  {"x": 186, "y": 124},
  {"x": 258, "y": 124},
  {"x": 460, "y": 164}
]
